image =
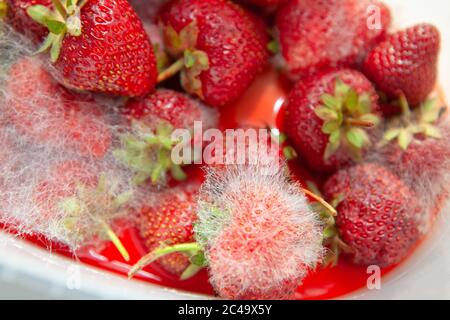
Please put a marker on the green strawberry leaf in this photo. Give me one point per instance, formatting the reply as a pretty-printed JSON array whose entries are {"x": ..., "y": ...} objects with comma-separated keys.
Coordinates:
[
  {"x": 351, "y": 101},
  {"x": 391, "y": 134},
  {"x": 189, "y": 36},
  {"x": 290, "y": 153},
  {"x": 329, "y": 232},
  {"x": 432, "y": 132},
  {"x": 330, "y": 126},
  {"x": 347, "y": 111},
  {"x": 335, "y": 137},
  {"x": 330, "y": 101},
  {"x": 55, "y": 50},
  {"x": 357, "y": 137},
  {"x": 326, "y": 114},
  {"x": 199, "y": 259},
  {"x": 55, "y": 26},
  {"x": 331, "y": 149},
  {"x": 365, "y": 104},
  {"x": 430, "y": 112},
  {"x": 40, "y": 14},
  {"x": 405, "y": 138},
  {"x": 173, "y": 41},
  {"x": 341, "y": 88}
]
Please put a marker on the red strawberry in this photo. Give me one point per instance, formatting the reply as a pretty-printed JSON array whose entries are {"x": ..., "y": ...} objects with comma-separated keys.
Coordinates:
[
  {"x": 177, "y": 109},
  {"x": 406, "y": 63},
  {"x": 414, "y": 146},
  {"x": 101, "y": 46},
  {"x": 18, "y": 18},
  {"x": 318, "y": 34},
  {"x": 424, "y": 166},
  {"x": 378, "y": 213},
  {"x": 260, "y": 235},
  {"x": 169, "y": 221},
  {"x": 243, "y": 147},
  {"x": 219, "y": 45},
  {"x": 46, "y": 112},
  {"x": 148, "y": 144},
  {"x": 324, "y": 117},
  {"x": 82, "y": 203},
  {"x": 147, "y": 12}
]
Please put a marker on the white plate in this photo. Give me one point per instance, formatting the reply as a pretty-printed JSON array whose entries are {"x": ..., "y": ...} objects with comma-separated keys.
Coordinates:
[{"x": 30, "y": 272}]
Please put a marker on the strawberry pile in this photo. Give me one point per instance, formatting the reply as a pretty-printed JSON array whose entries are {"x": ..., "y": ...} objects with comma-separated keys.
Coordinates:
[{"x": 93, "y": 92}]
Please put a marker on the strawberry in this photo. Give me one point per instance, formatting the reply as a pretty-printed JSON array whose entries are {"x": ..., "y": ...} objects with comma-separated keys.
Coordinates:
[
  {"x": 325, "y": 115},
  {"x": 243, "y": 147},
  {"x": 148, "y": 142},
  {"x": 82, "y": 203},
  {"x": 378, "y": 213},
  {"x": 46, "y": 112},
  {"x": 148, "y": 9},
  {"x": 98, "y": 45},
  {"x": 318, "y": 34},
  {"x": 423, "y": 165},
  {"x": 260, "y": 236},
  {"x": 414, "y": 146},
  {"x": 169, "y": 221},
  {"x": 219, "y": 46},
  {"x": 147, "y": 12},
  {"x": 406, "y": 63},
  {"x": 18, "y": 18},
  {"x": 419, "y": 124},
  {"x": 255, "y": 233}
]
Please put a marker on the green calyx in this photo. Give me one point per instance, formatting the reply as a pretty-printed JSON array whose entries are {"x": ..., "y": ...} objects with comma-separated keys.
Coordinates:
[
  {"x": 192, "y": 250},
  {"x": 191, "y": 62},
  {"x": 64, "y": 19},
  {"x": 346, "y": 115},
  {"x": 412, "y": 123},
  {"x": 148, "y": 153},
  {"x": 273, "y": 47},
  {"x": 99, "y": 206}
]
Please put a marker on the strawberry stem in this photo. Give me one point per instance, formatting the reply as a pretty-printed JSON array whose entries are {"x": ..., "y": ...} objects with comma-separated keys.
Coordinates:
[
  {"x": 359, "y": 123},
  {"x": 190, "y": 271},
  {"x": 319, "y": 199},
  {"x": 171, "y": 70},
  {"x": 191, "y": 249}
]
